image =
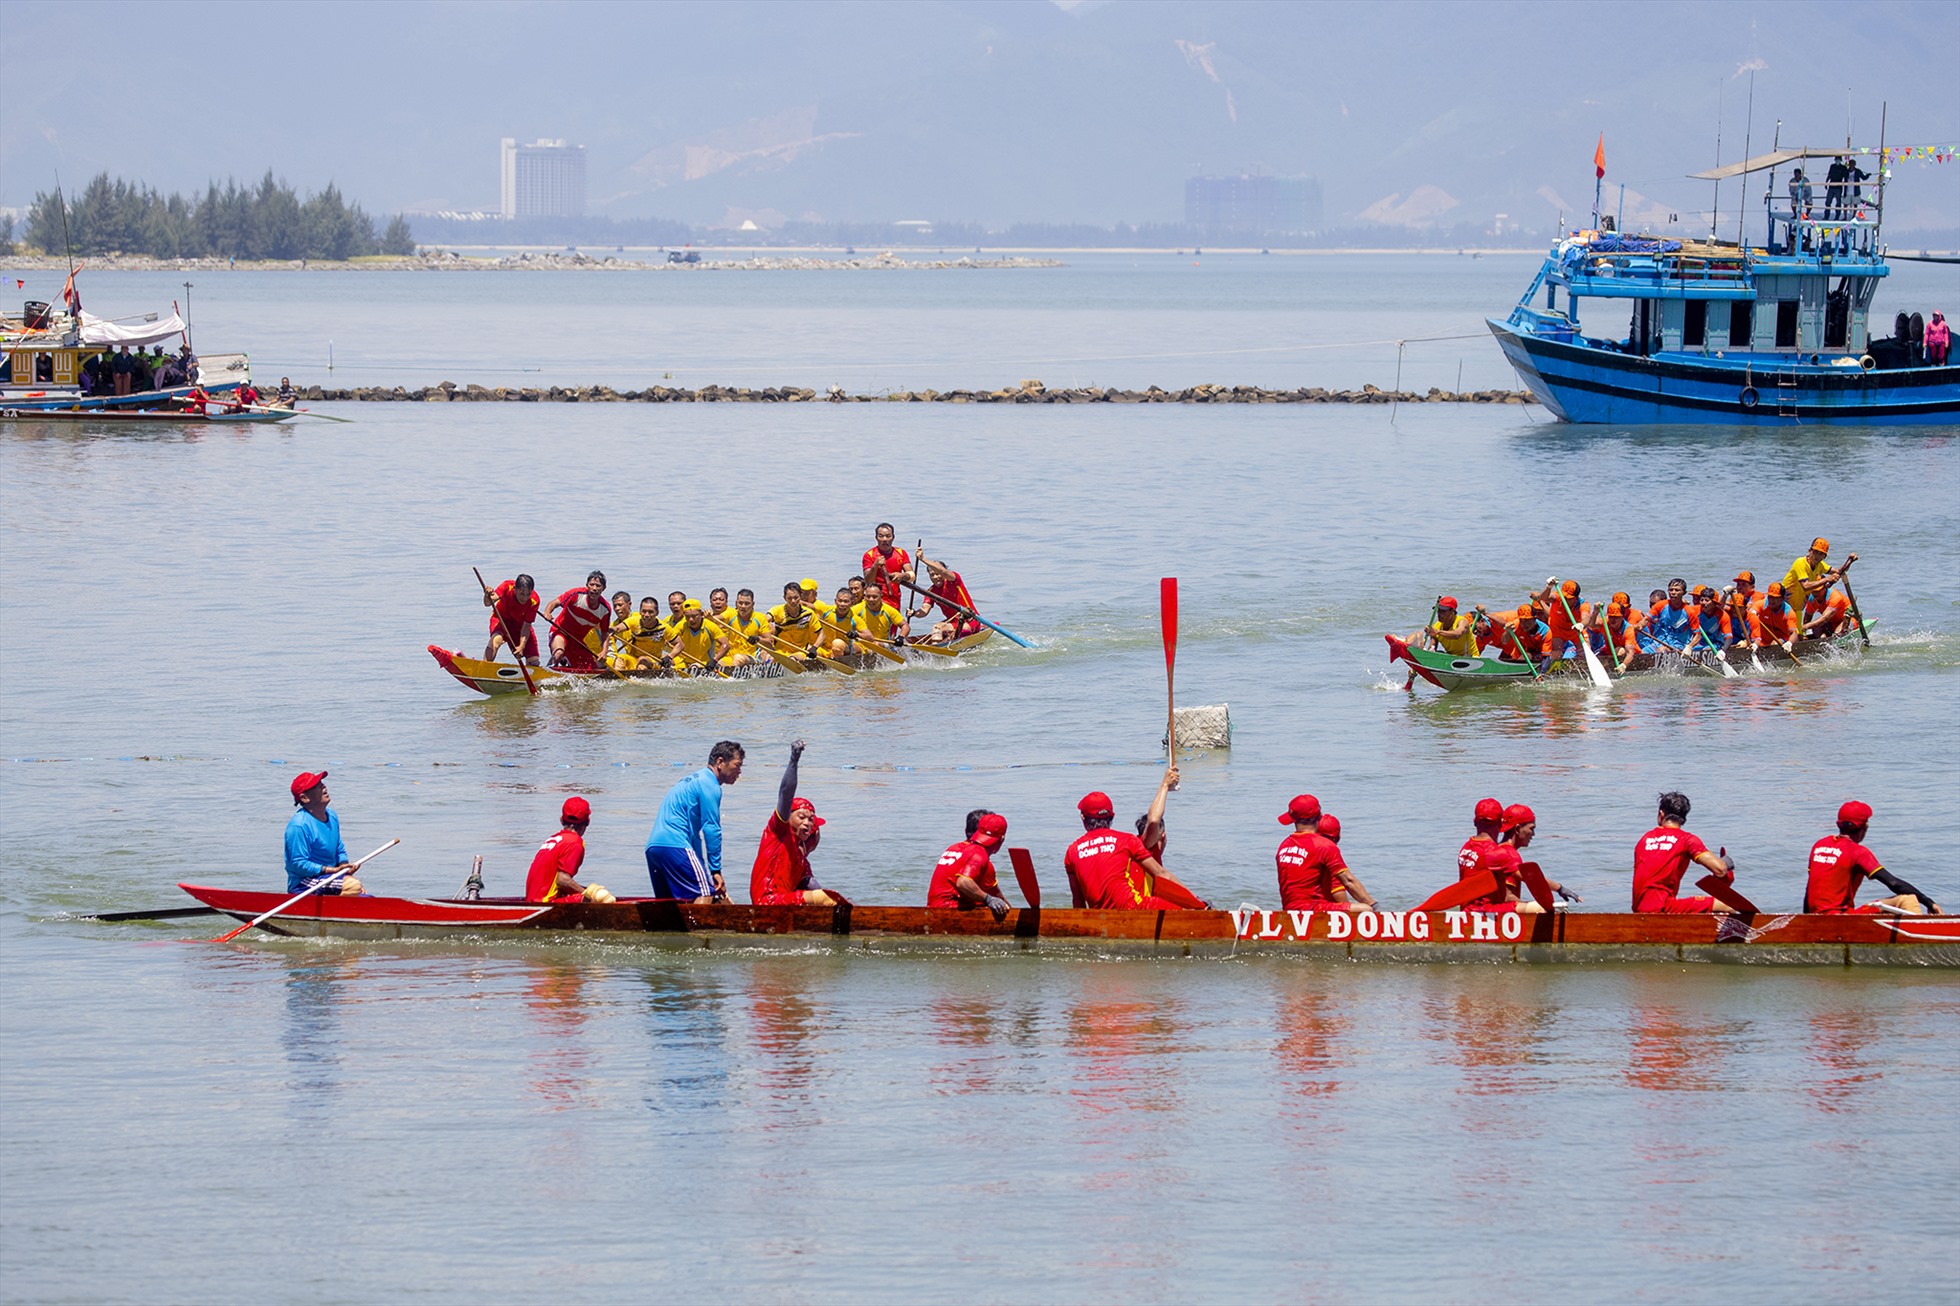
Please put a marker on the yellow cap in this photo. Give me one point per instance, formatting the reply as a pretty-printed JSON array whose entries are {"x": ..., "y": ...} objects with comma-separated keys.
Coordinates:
[
  {"x": 806, "y": 584},
  {"x": 692, "y": 605}
]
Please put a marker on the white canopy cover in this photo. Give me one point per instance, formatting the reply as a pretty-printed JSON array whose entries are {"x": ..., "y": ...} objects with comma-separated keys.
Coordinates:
[{"x": 100, "y": 331}]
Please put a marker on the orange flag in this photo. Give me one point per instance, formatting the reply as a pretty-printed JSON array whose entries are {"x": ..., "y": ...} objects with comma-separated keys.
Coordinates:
[{"x": 1599, "y": 157}]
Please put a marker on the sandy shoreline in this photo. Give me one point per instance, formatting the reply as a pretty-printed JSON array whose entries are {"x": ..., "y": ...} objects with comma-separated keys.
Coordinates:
[{"x": 532, "y": 261}]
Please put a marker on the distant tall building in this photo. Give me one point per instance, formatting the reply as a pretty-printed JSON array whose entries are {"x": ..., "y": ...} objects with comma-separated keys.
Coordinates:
[
  {"x": 545, "y": 179},
  {"x": 1252, "y": 206}
]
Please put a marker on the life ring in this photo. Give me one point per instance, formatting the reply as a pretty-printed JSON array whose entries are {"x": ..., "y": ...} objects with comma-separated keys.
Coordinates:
[
  {"x": 1868, "y": 362},
  {"x": 1749, "y": 396}
]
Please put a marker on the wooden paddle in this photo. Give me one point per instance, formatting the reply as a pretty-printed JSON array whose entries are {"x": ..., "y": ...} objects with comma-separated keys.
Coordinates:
[
  {"x": 784, "y": 660},
  {"x": 297, "y": 412},
  {"x": 1541, "y": 888},
  {"x": 510, "y": 636},
  {"x": 877, "y": 646},
  {"x": 1167, "y": 612},
  {"x": 1480, "y": 885},
  {"x": 965, "y": 611},
  {"x": 1844, "y": 579},
  {"x": 165, "y": 914},
  {"x": 1593, "y": 668},
  {"x": 1024, "y": 875},
  {"x": 1728, "y": 672},
  {"x": 322, "y": 886},
  {"x": 1722, "y": 889}
]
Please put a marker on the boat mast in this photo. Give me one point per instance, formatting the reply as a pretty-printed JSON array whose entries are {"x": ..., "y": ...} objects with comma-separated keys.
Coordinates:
[
  {"x": 1742, "y": 198},
  {"x": 1878, "y": 221},
  {"x": 1715, "y": 206},
  {"x": 1769, "y": 221}
]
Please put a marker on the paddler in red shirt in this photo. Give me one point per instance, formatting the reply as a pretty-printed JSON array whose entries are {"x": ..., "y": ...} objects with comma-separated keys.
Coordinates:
[
  {"x": 887, "y": 564},
  {"x": 782, "y": 862},
  {"x": 1112, "y": 870},
  {"x": 1663, "y": 854},
  {"x": 578, "y": 635},
  {"x": 1840, "y": 862},
  {"x": 1520, "y": 828},
  {"x": 1312, "y": 874},
  {"x": 949, "y": 592},
  {"x": 1482, "y": 852},
  {"x": 555, "y": 867},
  {"x": 964, "y": 878},
  {"x": 515, "y": 607}
]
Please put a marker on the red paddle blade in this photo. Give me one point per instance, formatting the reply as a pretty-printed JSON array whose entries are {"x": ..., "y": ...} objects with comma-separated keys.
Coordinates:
[
  {"x": 1534, "y": 880},
  {"x": 1723, "y": 891},
  {"x": 1167, "y": 601},
  {"x": 1024, "y": 875},
  {"x": 1480, "y": 885}
]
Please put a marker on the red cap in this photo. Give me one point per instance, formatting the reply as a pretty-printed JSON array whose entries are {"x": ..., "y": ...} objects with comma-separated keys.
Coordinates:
[
  {"x": 993, "y": 829},
  {"x": 576, "y": 809},
  {"x": 1330, "y": 826},
  {"x": 1855, "y": 813},
  {"x": 1096, "y": 804},
  {"x": 305, "y": 780},
  {"x": 1488, "y": 809},
  {"x": 1518, "y": 814},
  {"x": 805, "y": 805},
  {"x": 1446, "y": 602},
  {"x": 1303, "y": 810}
]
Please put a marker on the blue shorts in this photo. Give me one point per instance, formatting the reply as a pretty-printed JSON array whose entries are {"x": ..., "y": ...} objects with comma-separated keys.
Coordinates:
[{"x": 678, "y": 873}]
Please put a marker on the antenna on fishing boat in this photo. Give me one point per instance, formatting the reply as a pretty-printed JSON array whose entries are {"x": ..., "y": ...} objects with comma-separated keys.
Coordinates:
[
  {"x": 1878, "y": 204},
  {"x": 1715, "y": 206},
  {"x": 73, "y": 303},
  {"x": 187, "y": 317},
  {"x": 1742, "y": 187}
]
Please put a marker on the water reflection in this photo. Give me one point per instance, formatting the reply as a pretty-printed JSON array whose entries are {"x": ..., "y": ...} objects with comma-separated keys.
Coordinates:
[
  {"x": 1499, "y": 1045},
  {"x": 316, "y": 989},
  {"x": 1124, "y": 1043},
  {"x": 560, "y": 1059},
  {"x": 1840, "y": 1040},
  {"x": 1312, "y": 1049},
  {"x": 784, "y": 1023},
  {"x": 687, "y": 1030}
]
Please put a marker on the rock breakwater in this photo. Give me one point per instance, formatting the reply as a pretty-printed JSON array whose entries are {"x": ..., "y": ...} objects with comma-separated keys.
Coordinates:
[{"x": 1027, "y": 392}]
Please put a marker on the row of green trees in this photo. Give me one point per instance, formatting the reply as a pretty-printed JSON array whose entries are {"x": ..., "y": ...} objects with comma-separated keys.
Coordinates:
[{"x": 266, "y": 221}]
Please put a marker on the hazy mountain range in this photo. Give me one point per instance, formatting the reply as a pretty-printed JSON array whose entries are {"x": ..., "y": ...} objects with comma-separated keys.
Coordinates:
[{"x": 991, "y": 111}]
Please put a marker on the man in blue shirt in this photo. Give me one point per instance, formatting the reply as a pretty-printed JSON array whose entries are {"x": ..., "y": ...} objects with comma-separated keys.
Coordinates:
[
  {"x": 684, "y": 849},
  {"x": 313, "y": 847},
  {"x": 1671, "y": 625}
]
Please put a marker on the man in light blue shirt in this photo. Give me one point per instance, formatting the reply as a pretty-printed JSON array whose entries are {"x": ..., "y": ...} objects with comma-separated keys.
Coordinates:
[
  {"x": 684, "y": 849},
  {"x": 314, "y": 851}
]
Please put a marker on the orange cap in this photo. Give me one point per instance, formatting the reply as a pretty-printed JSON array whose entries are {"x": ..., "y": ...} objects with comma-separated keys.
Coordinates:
[
  {"x": 1821, "y": 544},
  {"x": 1524, "y": 613},
  {"x": 1746, "y": 576},
  {"x": 1775, "y": 589},
  {"x": 1570, "y": 589},
  {"x": 1616, "y": 610},
  {"x": 1622, "y": 597}
]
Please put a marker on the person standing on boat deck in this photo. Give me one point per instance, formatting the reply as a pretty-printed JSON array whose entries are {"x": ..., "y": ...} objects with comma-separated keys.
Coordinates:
[
  {"x": 554, "y": 869},
  {"x": 888, "y": 564},
  {"x": 1811, "y": 575},
  {"x": 1483, "y": 852},
  {"x": 1938, "y": 341},
  {"x": 1771, "y": 620},
  {"x": 782, "y": 862},
  {"x": 1112, "y": 870},
  {"x": 964, "y": 876},
  {"x": 1312, "y": 874},
  {"x": 579, "y": 636},
  {"x": 1834, "y": 186},
  {"x": 1799, "y": 210},
  {"x": 314, "y": 851},
  {"x": 1663, "y": 854},
  {"x": 1840, "y": 862},
  {"x": 516, "y": 604},
  {"x": 684, "y": 848}
]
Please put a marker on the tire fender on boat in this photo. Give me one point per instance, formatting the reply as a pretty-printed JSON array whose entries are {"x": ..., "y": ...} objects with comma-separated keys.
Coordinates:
[{"x": 1749, "y": 397}]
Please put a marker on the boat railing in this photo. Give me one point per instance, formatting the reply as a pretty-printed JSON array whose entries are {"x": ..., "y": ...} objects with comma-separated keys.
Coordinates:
[
  {"x": 1838, "y": 228},
  {"x": 1589, "y": 270}
]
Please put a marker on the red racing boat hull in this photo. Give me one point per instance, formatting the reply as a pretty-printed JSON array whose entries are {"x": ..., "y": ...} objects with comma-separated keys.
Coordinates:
[{"x": 1388, "y": 935}]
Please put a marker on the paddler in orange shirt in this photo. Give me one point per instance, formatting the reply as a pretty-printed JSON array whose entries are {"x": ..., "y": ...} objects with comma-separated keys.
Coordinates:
[
  {"x": 1771, "y": 621},
  {"x": 1566, "y": 618},
  {"x": 1825, "y": 617}
]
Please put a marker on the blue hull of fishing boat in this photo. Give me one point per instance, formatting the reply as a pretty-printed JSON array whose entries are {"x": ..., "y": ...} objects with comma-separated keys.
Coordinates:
[{"x": 1583, "y": 383}]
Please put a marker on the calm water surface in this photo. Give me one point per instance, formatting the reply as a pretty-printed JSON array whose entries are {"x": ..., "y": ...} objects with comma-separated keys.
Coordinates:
[{"x": 191, "y": 617}]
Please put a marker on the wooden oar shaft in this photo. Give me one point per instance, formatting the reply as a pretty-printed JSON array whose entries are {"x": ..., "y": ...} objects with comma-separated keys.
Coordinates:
[
  {"x": 961, "y": 608},
  {"x": 1844, "y": 578},
  {"x": 510, "y": 636}
]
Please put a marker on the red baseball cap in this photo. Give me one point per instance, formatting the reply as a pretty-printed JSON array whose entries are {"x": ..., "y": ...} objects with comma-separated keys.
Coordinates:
[
  {"x": 1096, "y": 804},
  {"x": 305, "y": 780},
  {"x": 1855, "y": 813},
  {"x": 576, "y": 809},
  {"x": 1303, "y": 810},
  {"x": 1488, "y": 809},
  {"x": 805, "y": 805},
  {"x": 1446, "y": 602},
  {"x": 1330, "y": 826},
  {"x": 1518, "y": 814},
  {"x": 993, "y": 829}
]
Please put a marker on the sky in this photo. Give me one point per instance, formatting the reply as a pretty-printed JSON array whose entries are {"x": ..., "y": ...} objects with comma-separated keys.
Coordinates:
[{"x": 989, "y": 111}]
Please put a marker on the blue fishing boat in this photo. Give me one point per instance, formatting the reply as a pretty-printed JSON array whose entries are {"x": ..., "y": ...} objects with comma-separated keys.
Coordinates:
[
  {"x": 55, "y": 363},
  {"x": 1730, "y": 332}
]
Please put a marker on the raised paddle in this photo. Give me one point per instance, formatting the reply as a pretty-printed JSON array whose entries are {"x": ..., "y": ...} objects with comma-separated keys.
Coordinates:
[
  {"x": 1167, "y": 611},
  {"x": 1024, "y": 875},
  {"x": 1480, "y": 885},
  {"x": 1722, "y": 889},
  {"x": 1593, "y": 667},
  {"x": 1844, "y": 579},
  {"x": 510, "y": 636},
  {"x": 965, "y": 611},
  {"x": 166, "y": 914},
  {"x": 323, "y": 885},
  {"x": 1541, "y": 888}
]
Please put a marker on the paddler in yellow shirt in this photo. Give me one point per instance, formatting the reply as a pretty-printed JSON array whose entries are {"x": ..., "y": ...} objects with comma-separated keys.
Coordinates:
[
  {"x": 837, "y": 625},
  {"x": 1810, "y": 576},
  {"x": 639, "y": 643},
  {"x": 696, "y": 643},
  {"x": 675, "y": 618},
  {"x": 873, "y": 617},
  {"x": 1451, "y": 633},
  {"x": 792, "y": 626},
  {"x": 740, "y": 624}
]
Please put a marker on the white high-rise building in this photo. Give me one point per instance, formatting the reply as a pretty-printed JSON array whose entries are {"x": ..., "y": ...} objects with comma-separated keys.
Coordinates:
[{"x": 545, "y": 179}]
